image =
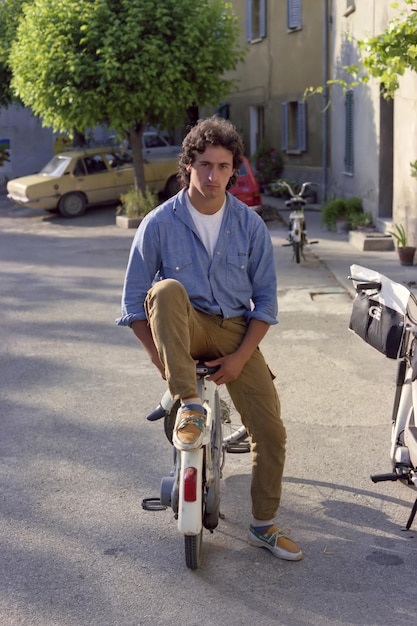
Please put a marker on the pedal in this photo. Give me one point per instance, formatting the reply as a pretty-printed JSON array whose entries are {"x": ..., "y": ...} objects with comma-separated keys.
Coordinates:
[
  {"x": 379, "y": 478},
  {"x": 153, "y": 504},
  {"x": 238, "y": 448}
]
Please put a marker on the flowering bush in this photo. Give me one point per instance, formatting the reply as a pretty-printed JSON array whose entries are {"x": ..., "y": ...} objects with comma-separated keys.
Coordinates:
[{"x": 269, "y": 164}]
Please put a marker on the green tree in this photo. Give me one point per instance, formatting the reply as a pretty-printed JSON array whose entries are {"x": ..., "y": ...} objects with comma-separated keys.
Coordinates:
[
  {"x": 78, "y": 63},
  {"x": 387, "y": 55},
  {"x": 10, "y": 12}
]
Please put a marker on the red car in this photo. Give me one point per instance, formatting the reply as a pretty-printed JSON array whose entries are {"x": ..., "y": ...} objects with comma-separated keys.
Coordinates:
[{"x": 247, "y": 188}]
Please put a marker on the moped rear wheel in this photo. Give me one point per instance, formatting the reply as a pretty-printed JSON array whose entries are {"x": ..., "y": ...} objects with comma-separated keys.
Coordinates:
[{"x": 193, "y": 548}]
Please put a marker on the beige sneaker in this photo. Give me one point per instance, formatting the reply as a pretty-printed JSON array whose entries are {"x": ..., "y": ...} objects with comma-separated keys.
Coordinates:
[
  {"x": 274, "y": 541},
  {"x": 189, "y": 427}
]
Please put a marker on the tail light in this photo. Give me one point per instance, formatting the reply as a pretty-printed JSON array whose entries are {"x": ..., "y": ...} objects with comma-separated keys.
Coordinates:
[{"x": 190, "y": 484}]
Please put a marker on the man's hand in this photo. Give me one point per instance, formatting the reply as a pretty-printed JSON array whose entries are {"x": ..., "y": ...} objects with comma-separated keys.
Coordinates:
[
  {"x": 231, "y": 365},
  {"x": 230, "y": 368}
]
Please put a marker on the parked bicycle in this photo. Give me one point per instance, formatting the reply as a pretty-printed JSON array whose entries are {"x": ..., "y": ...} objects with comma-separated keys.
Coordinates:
[
  {"x": 384, "y": 315},
  {"x": 297, "y": 228},
  {"x": 192, "y": 489}
]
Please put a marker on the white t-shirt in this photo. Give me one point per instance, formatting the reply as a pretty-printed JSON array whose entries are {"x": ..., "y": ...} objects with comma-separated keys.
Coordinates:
[{"x": 208, "y": 226}]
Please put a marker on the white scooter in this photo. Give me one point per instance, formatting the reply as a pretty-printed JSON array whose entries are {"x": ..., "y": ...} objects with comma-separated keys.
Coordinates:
[{"x": 384, "y": 315}]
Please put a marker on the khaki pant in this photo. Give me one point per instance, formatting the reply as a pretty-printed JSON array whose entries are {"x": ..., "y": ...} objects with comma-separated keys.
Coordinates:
[{"x": 182, "y": 335}]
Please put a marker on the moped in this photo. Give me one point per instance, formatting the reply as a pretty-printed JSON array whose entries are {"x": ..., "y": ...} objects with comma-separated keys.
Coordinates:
[
  {"x": 297, "y": 228},
  {"x": 192, "y": 490},
  {"x": 384, "y": 315}
]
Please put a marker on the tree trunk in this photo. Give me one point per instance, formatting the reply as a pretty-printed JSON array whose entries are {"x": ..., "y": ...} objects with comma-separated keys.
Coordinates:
[
  {"x": 79, "y": 139},
  {"x": 135, "y": 137}
]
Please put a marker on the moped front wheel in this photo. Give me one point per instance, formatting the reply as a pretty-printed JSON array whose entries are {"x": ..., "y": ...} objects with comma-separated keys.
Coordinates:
[
  {"x": 297, "y": 251},
  {"x": 193, "y": 547}
]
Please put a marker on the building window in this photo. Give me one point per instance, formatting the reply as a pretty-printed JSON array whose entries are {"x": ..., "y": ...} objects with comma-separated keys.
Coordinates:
[
  {"x": 293, "y": 126},
  {"x": 349, "y": 132},
  {"x": 294, "y": 14},
  {"x": 255, "y": 19}
]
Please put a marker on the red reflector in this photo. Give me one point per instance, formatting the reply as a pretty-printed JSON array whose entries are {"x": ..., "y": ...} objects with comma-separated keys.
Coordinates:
[{"x": 190, "y": 484}]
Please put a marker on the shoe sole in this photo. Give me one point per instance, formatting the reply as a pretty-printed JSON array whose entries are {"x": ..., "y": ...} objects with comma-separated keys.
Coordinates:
[{"x": 278, "y": 552}]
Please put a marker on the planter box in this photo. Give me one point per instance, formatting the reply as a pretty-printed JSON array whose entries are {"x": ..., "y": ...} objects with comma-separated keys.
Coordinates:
[
  {"x": 363, "y": 240},
  {"x": 122, "y": 221}
]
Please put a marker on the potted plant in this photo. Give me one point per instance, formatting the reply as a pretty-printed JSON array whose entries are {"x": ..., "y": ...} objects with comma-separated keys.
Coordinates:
[
  {"x": 405, "y": 252},
  {"x": 135, "y": 204},
  {"x": 340, "y": 213}
]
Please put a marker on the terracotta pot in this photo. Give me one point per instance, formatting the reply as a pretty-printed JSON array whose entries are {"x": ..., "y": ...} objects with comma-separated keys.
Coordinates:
[{"x": 406, "y": 255}]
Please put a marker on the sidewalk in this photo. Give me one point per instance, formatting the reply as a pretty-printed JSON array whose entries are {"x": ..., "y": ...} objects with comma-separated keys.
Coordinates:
[{"x": 335, "y": 251}]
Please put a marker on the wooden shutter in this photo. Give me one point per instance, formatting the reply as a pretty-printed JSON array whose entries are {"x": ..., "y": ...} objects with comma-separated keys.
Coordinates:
[
  {"x": 349, "y": 131},
  {"x": 294, "y": 14},
  {"x": 262, "y": 18},
  {"x": 301, "y": 126},
  {"x": 284, "y": 126},
  {"x": 249, "y": 20}
]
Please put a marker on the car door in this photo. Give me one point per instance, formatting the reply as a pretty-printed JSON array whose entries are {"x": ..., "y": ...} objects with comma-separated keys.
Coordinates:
[
  {"x": 97, "y": 181},
  {"x": 122, "y": 167}
]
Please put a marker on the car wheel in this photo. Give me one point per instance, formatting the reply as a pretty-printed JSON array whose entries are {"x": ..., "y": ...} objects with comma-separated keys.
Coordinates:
[
  {"x": 172, "y": 187},
  {"x": 72, "y": 204}
]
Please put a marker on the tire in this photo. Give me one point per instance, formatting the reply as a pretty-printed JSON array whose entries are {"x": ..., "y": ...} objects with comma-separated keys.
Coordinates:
[
  {"x": 169, "y": 421},
  {"x": 72, "y": 204},
  {"x": 296, "y": 246},
  {"x": 193, "y": 547},
  {"x": 211, "y": 512},
  {"x": 172, "y": 187}
]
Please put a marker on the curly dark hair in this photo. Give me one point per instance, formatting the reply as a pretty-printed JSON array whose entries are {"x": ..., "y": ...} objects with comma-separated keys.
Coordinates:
[{"x": 214, "y": 131}]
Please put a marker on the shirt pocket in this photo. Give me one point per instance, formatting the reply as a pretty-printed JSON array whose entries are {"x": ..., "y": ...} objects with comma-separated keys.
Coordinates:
[
  {"x": 237, "y": 272},
  {"x": 181, "y": 269}
]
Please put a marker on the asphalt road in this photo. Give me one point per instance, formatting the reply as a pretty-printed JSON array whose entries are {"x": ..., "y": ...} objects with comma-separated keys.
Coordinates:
[{"x": 77, "y": 456}]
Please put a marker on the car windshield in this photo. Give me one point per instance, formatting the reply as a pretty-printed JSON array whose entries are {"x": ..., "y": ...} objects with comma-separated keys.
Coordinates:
[{"x": 56, "y": 166}]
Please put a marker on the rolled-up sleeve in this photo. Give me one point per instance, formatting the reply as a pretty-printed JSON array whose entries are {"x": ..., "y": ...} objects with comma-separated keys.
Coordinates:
[
  {"x": 263, "y": 277},
  {"x": 140, "y": 273}
]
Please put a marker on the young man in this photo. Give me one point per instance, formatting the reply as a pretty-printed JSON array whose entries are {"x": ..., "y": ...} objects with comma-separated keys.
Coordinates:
[{"x": 201, "y": 283}]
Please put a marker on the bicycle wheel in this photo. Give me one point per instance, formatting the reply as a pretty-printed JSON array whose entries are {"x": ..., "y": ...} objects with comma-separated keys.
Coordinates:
[
  {"x": 296, "y": 248},
  {"x": 211, "y": 511},
  {"x": 193, "y": 546}
]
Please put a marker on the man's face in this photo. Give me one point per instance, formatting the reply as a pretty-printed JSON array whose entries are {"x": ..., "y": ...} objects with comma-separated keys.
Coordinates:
[{"x": 211, "y": 171}]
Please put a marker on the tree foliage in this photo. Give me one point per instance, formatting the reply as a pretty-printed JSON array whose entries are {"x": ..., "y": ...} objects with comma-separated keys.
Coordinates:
[
  {"x": 79, "y": 63},
  {"x": 387, "y": 55},
  {"x": 10, "y": 11}
]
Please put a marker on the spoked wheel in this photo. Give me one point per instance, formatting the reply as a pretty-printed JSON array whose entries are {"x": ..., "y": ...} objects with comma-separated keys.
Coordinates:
[
  {"x": 193, "y": 548},
  {"x": 297, "y": 253},
  {"x": 235, "y": 436}
]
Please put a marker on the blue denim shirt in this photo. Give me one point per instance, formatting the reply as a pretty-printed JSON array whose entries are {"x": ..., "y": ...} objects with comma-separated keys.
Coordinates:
[{"x": 240, "y": 279}]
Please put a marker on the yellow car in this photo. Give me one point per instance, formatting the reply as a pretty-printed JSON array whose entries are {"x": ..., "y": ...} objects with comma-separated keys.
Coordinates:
[{"x": 73, "y": 180}]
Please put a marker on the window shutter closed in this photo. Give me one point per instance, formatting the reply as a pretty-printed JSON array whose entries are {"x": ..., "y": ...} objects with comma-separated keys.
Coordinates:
[
  {"x": 262, "y": 19},
  {"x": 294, "y": 19},
  {"x": 349, "y": 132},
  {"x": 301, "y": 126},
  {"x": 284, "y": 126},
  {"x": 249, "y": 20}
]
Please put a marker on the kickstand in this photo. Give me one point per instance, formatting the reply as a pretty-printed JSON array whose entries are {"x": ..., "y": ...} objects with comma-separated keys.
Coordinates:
[{"x": 412, "y": 516}]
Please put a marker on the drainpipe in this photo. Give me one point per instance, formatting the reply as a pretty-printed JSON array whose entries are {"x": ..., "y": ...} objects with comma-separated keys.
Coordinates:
[{"x": 325, "y": 98}]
